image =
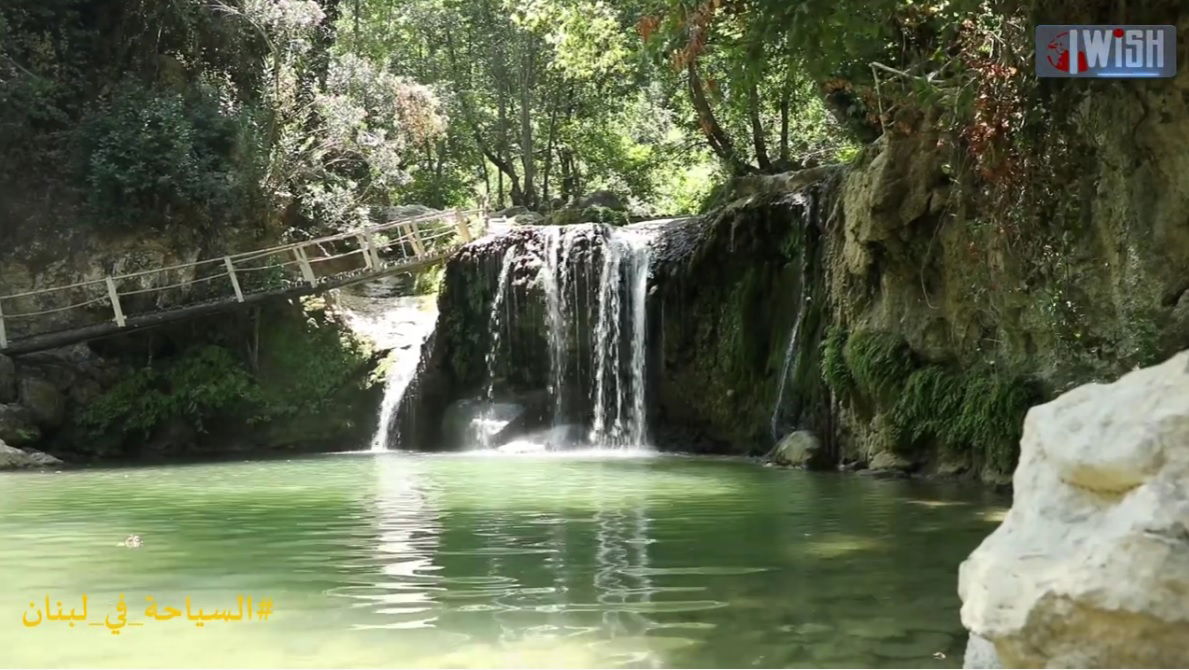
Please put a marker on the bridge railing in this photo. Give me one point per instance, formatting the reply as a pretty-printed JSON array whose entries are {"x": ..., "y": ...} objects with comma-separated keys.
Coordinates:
[{"x": 372, "y": 250}]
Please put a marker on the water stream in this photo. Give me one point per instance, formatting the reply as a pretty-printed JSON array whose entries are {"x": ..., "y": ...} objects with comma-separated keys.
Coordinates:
[
  {"x": 398, "y": 324},
  {"x": 619, "y": 409}
]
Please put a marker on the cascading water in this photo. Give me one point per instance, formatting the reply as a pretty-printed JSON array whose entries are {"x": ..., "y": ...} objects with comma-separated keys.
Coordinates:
[
  {"x": 401, "y": 325},
  {"x": 791, "y": 352},
  {"x": 619, "y": 402},
  {"x": 593, "y": 283},
  {"x": 553, "y": 277},
  {"x": 488, "y": 422}
]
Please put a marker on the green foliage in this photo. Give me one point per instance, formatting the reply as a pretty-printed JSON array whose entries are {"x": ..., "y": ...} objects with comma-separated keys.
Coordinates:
[
  {"x": 153, "y": 157},
  {"x": 197, "y": 385},
  {"x": 304, "y": 364},
  {"x": 879, "y": 362},
  {"x": 928, "y": 407},
  {"x": 597, "y": 214},
  {"x": 833, "y": 362},
  {"x": 429, "y": 280}
]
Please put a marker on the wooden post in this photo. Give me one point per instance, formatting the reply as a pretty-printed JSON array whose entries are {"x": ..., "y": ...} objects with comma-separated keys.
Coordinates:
[
  {"x": 307, "y": 272},
  {"x": 3, "y": 333},
  {"x": 365, "y": 244},
  {"x": 460, "y": 223},
  {"x": 377, "y": 262},
  {"x": 239, "y": 295},
  {"x": 114, "y": 295},
  {"x": 418, "y": 247}
]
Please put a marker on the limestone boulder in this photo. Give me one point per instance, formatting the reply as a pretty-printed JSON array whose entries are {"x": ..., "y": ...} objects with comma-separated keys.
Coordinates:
[
  {"x": 798, "y": 449},
  {"x": 889, "y": 461},
  {"x": 1090, "y": 568},
  {"x": 12, "y": 458},
  {"x": 606, "y": 199},
  {"x": 40, "y": 459}
]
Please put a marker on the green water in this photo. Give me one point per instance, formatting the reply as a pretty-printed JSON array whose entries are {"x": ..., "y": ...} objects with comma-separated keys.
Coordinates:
[{"x": 462, "y": 561}]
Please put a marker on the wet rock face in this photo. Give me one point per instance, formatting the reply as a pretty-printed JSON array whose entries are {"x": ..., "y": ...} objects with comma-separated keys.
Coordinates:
[
  {"x": 8, "y": 379},
  {"x": 1091, "y": 566},
  {"x": 18, "y": 426},
  {"x": 455, "y": 361},
  {"x": 46, "y": 403},
  {"x": 730, "y": 289}
]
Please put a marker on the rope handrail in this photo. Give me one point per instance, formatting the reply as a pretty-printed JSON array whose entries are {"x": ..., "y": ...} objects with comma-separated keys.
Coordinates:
[{"x": 416, "y": 243}]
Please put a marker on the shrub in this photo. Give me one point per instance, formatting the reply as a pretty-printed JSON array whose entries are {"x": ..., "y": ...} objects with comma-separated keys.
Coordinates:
[
  {"x": 200, "y": 383},
  {"x": 155, "y": 158}
]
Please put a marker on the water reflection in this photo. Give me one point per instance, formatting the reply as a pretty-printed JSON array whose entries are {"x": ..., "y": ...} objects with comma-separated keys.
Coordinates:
[
  {"x": 408, "y": 528},
  {"x": 377, "y": 560}
]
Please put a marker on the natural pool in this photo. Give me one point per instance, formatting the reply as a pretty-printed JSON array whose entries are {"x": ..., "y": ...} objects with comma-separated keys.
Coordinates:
[{"x": 398, "y": 559}]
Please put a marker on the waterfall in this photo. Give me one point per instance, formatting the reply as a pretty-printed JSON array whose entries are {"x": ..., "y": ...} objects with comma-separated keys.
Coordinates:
[
  {"x": 495, "y": 325},
  {"x": 400, "y": 325},
  {"x": 618, "y": 400},
  {"x": 590, "y": 293},
  {"x": 790, "y": 353},
  {"x": 553, "y": 281}
]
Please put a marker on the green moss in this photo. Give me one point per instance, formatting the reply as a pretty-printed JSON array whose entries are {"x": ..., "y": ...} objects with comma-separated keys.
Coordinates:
[
  {"x": 980, "y": 411},
  {"x": 991, "y": 418},
  {"x": 879, "y": 362},
  {"x": 833, "y": 363}
]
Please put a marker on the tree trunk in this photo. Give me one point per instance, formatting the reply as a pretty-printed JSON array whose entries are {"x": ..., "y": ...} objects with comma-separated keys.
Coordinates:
[
  {"x": 785, "y": 112},
  {"x": 757, "y": 128},
  {"x": 549, "y": 142},
  {"x": 503, "y": 166},
  {"x": 527, "y": 150},
  {"x": 719, "y": 142}
]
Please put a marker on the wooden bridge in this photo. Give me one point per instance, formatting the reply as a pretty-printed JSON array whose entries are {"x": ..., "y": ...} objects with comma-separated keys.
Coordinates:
[{"x": 47, "y": 318}]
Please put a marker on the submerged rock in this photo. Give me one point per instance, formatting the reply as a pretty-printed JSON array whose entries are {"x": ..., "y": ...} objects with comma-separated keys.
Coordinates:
[
  {"x": 1091, "y": 566},
  {"x": 799, "y": 449},
  {"x": 980, "y": 653}
]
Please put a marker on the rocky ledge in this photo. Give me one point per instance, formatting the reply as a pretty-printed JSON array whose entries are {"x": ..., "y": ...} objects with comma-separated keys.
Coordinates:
[
  {"x": 1091, "y": 566},
  {"x": 12, "y": 458}
]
